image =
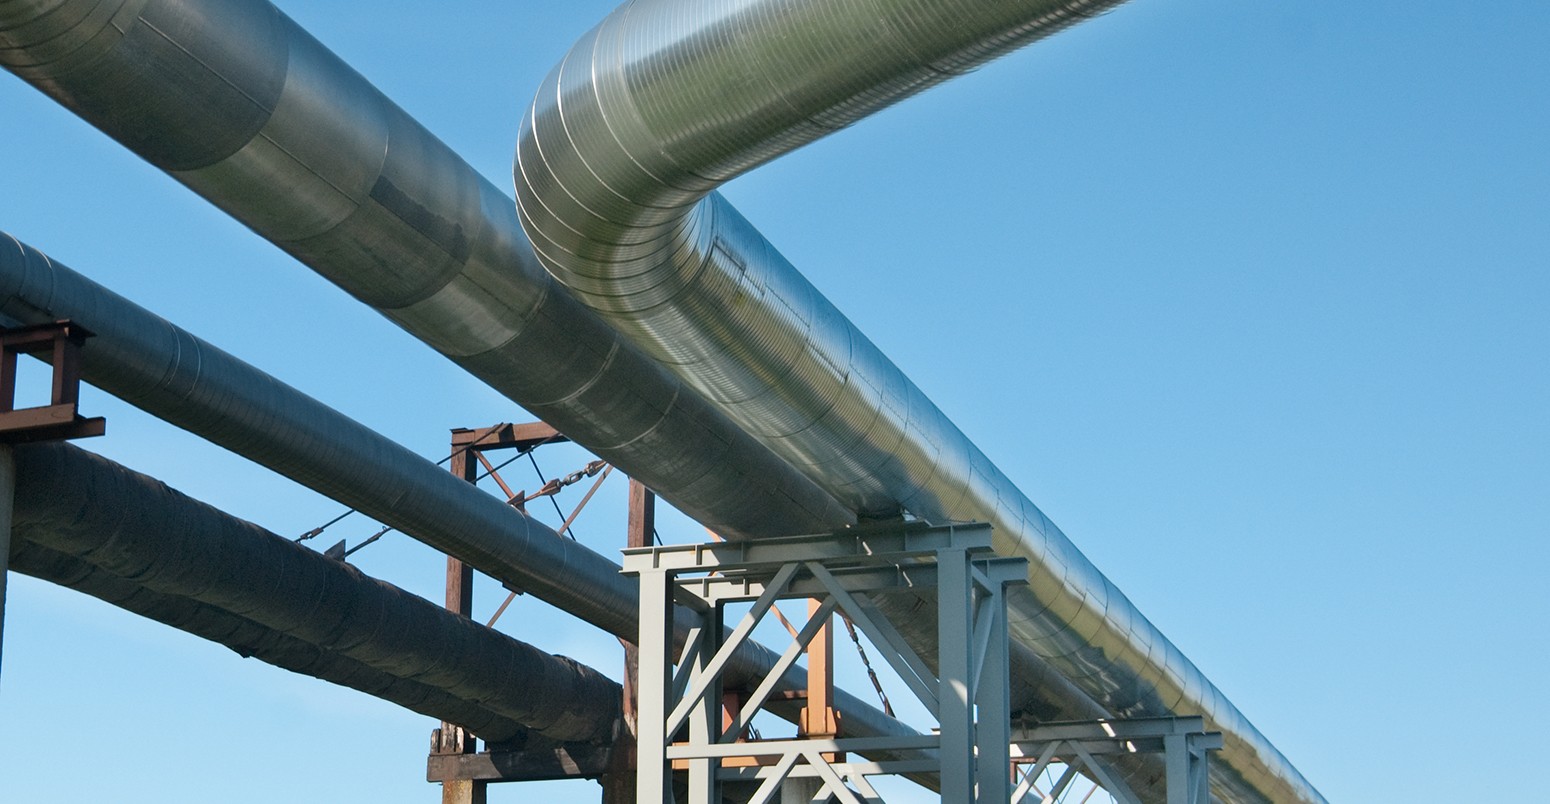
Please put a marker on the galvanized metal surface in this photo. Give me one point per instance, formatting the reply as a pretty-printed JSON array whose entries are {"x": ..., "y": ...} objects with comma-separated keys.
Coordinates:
[
  {"x": 168, "y": 372},
  {"x": 616, "y": 165},
  {"x": 233, "y": 99}
]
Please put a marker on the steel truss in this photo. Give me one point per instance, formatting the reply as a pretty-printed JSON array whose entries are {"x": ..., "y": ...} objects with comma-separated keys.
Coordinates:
[
  {"x": 680, "y": 715},
  {"x": 1082, "y": 746}
]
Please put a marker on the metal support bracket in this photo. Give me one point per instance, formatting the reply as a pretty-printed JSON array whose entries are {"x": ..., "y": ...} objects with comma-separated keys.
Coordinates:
[
  {"x": 59, "y": 419},
  {"x": 529, "y": 763},
  {"x": 455, "y": 759},
  {"x": 680, "y": 719}
]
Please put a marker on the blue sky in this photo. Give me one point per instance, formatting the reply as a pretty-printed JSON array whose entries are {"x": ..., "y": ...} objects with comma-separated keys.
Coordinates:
[{"x": 1249, "y": 297}]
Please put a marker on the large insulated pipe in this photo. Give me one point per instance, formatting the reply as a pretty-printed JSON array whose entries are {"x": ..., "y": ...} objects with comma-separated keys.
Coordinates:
[
  {"x": 236, "y": 101},
  {"x": 135, "y": 527},
  {"x": 248, "y": 639},
  {"x": 168, "y": 372},
  {"x": 77, "y": 51},
  {"x": 616, "y": 166},
  {"x": 156, "y": 366}
]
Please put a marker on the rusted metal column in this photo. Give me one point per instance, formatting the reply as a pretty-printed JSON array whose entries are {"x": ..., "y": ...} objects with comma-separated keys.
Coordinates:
[
  {"x": 619, "y": 783},
  {"x": 7, "y": 500},
  {"x": 57, "y": 420},
  {"x": 818, "y": 720},
  {"x": 452, "y": 738}
]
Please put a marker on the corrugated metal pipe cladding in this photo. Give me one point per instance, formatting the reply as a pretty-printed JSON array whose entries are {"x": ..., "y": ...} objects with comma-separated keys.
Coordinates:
[
  {"x": 239, "y": 103},
  {"x": 616, "y": 168},
  {"x": 127, "y": 526}
]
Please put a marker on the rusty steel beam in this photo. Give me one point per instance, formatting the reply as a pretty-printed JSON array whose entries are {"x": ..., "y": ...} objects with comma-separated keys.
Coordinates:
[
  {"x": 60, "y": 418},
  {"x": 454, "y": 738},
  {"x": 524, "y": 436}
]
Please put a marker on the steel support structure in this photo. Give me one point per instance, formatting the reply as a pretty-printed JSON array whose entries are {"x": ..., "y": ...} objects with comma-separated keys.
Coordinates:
[
  {"x": 1083, "y": 747},
  {"x": 58, "y": 420},
  {"x": 455, "y": 759},
  {"x": 464, "y": 771},
  {"x": 619, "y": 781},
  {"x": 680, "y": 697}
]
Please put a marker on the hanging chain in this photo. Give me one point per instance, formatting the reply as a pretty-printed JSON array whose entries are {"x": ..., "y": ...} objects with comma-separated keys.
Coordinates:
[{"x": 872, "y": 674}]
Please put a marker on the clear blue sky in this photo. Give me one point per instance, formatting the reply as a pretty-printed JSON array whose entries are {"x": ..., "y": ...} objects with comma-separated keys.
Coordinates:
[{"x": 1250, "y": 298}]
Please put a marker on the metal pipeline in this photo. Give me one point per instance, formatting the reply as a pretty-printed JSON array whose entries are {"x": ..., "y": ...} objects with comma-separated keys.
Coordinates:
[
  {"x": 616, "y": 165},
  {"x": 233, "y": 99},
  {"x": 248, "y": 639},
  {"x": 135, "y": 527},
  {"x": 168, "y": 372}
]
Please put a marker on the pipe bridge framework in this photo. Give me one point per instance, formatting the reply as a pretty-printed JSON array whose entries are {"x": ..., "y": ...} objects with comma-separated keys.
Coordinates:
[
  {"x": 771, "y": 415},
  {"x": 616, "y": 167}
]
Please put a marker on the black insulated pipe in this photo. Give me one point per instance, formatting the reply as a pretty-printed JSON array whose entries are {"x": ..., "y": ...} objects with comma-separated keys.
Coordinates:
[
  {"x": 251, "y": 640},
  {"x": 138, "y": 529}
]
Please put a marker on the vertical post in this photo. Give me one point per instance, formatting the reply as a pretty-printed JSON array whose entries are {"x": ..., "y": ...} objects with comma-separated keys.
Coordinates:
[
  {"x": 993, "y": 727},
  {"x": 460, "y": 576},
  {"x": 619, "y": 782},
  {"x": 460, "y": 587},
  {"x": 7, "y": 500},
  {"x": 460, "y": 600},
  {"x": 66, "y": 388},
  {"x": 955, "y": 710},
  {"x": 1200, "y": 777},
  {"x": 1176, "y": 759},
  {"x": 655, "y": 640},
  {"x": 7, "y": 380},
  {"x": 706, "y": 718},
  {"x": 818, "y": 715}
]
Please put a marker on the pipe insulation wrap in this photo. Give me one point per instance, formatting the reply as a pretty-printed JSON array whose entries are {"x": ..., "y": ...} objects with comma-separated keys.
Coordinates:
[
  {"x": 170, "y": 373},
  {"x": 368, "y": 201},
  {"x": 137, "y": 529},
  {"x": 236, "y": 101},
  {"x": 617, "y": 163},
  {"x": 249, "y": 639}
]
